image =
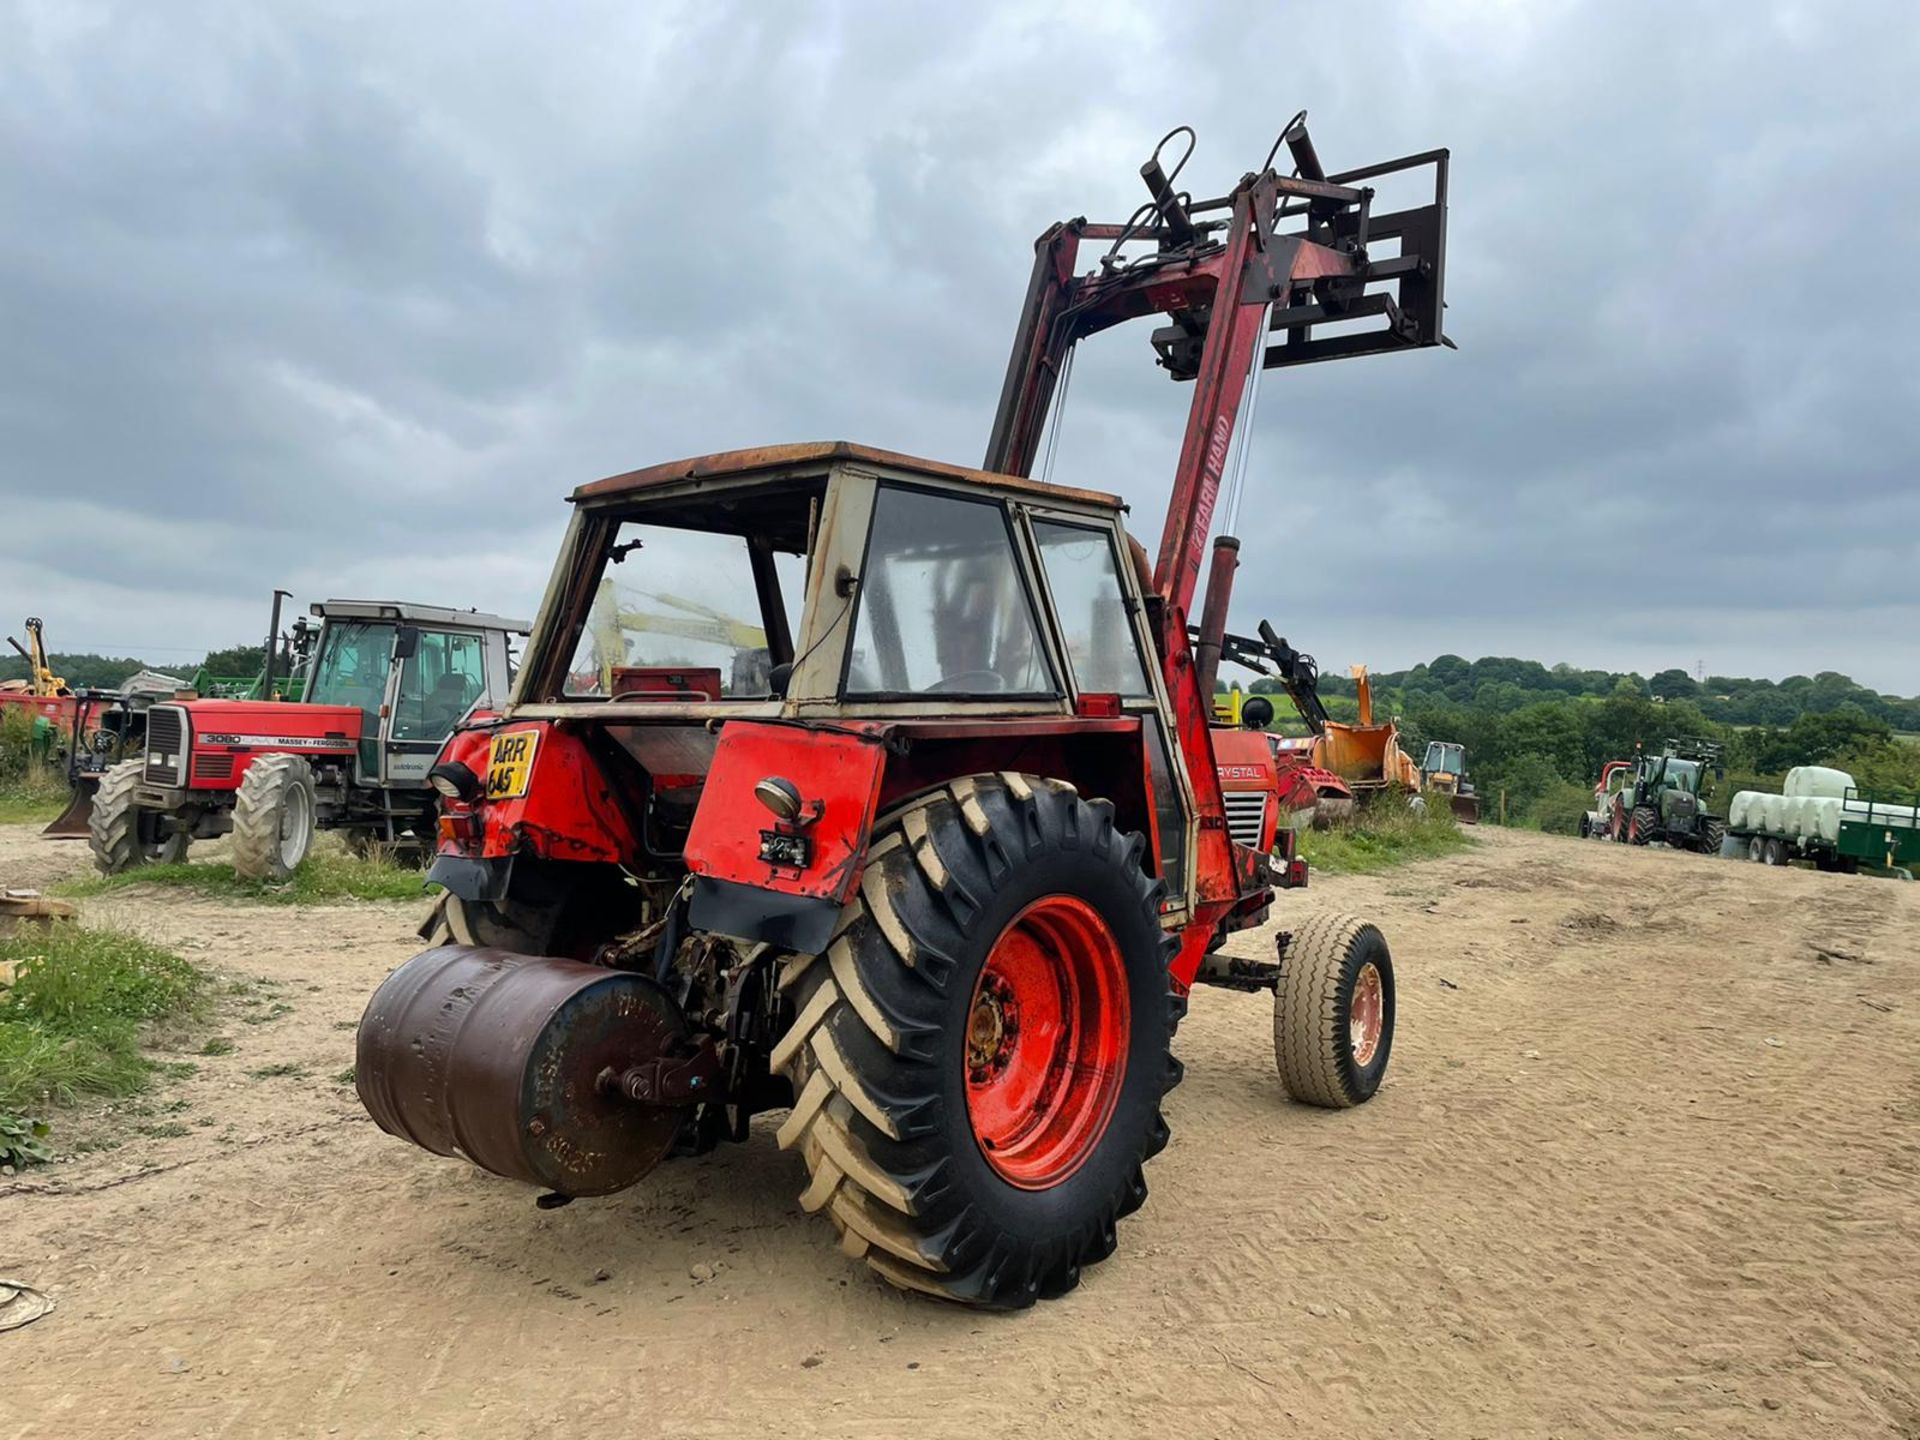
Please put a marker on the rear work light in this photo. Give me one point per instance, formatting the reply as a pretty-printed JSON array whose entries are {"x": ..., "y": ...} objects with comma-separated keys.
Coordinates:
[{"x": 453, "y": 781}]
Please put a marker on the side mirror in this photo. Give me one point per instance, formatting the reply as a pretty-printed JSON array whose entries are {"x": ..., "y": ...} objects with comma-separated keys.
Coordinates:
[{"x": 407, "y": 643}]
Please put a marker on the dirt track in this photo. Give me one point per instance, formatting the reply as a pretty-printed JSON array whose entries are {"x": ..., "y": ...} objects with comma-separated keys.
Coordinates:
[{"x": 1646, "y": 1163}]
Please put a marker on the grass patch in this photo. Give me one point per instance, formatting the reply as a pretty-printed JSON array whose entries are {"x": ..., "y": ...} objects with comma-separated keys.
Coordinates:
[
  {"x": 291, "y": 1069},
  {"x": 79, "y": 1006},
  {"x": 1382, "y": 833},
  {"x": 325, "y": 878},
  {"x": 346, "y": 1077},
  {"x": 217, "y": 1045},
  {"x": 32, "y": 788}
]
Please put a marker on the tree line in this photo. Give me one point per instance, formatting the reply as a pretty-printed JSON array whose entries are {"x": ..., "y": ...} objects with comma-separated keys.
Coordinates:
[
  {"x": 1542, "y": 735},
  {"x": 108, "y": 672}
]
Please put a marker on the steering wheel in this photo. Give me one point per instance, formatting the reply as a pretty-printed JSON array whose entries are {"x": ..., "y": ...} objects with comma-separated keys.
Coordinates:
[{"x": 969, "y": 682}]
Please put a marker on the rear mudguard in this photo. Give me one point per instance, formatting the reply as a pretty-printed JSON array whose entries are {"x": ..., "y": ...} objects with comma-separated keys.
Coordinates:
[{"x": 759, "y": 877}]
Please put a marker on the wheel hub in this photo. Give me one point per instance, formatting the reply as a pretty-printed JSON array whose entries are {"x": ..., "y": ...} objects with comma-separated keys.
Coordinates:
[
  {"x": 1366, "y": 1015},
  {"x": 992, "y": 1029},
  {"x": 1046, "y": 1042}
]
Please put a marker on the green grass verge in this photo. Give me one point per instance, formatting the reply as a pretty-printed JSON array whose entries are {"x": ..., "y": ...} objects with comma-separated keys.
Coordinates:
[
  {"x": 76, "y": 1010},
  {"x": 1381, "y": 834},
  {"x": 31, "y": 799},
  {"x": 326, "y": 877}
]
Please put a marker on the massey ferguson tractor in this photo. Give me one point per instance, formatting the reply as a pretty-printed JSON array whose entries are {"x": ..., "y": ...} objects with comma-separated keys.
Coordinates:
[
  {"x": 384, "y": 686},
  {"x": 937, "y": 879}
]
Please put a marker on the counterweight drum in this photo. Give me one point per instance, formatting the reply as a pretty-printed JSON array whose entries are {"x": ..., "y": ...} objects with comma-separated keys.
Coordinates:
[{"x": 523, "y": 1064}]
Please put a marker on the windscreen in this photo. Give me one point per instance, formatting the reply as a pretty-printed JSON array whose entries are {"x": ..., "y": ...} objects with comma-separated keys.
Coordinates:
[
  {"x": 682, "y": 602},
  {"x": 352, "y": 667}
]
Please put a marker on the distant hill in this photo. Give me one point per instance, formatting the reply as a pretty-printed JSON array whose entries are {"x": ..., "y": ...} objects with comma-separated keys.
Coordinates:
[{"x": 1502, "y": 684}]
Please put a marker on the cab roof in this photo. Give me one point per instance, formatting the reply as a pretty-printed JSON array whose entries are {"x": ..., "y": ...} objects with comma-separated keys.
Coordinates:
[
  {"x": 824, "y": 453},
  {"x": 404, "y": 613}
]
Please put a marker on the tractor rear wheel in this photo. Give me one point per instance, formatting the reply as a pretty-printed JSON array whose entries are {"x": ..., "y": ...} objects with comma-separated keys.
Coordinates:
[
  {"x": 1713, "y": 834},
  {"x": 121, "y": 834},
  {"x": 979, "y": 1055},
  {"x": 273, "y": 818},
  {"x": 1642, "y": 825},
  {"x": 1333, "y": 1012}
]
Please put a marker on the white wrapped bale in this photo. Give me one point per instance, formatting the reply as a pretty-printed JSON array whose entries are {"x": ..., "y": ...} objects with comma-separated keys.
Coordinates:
[
  {"x": 1817, "y": 782},
  {"x": 1821, "y": 819},
  {"x": 1792, "y": 807},
  {"x": 1737, "y": 810}
]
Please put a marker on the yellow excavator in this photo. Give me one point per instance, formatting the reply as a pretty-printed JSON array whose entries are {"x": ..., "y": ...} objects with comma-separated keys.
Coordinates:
[{"x": 41, "y": 682}]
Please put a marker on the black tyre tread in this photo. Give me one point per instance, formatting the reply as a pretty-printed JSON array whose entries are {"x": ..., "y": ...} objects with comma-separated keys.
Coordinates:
[
  {"x": 113, "y": 830},
  {"x": 256, "y": 815},
  {"x": 1712, "y": 834},
  {"x": 852, "y": 1122},
  {"x": 1308, "y": 1026},
  {"x": 1642, "y": 824}
]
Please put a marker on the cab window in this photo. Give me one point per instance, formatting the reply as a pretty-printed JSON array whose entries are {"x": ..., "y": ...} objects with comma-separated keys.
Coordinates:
[
  {"x": 677, "y": 613},
  {"x": 943, "y": 609},
  {"x": 1083, "y": 576},
  {"x": 438, "y": 683},
  {"x": 352, "y": 667}
]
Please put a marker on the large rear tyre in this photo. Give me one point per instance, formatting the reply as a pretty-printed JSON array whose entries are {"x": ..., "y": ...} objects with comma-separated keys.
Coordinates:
[
  {"x": 979, "y": 1056},
  {"x": 1333, "y": 1012},
  {"x": 273, "y": 818},
  {"x": 121, "y": 834},
  {"x": 1642, "y": 825}
]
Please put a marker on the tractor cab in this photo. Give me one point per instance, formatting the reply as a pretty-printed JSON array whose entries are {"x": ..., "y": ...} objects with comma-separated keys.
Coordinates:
[
  {"x": 412, "y": 672},
  {"x": 940, "y": 616}
]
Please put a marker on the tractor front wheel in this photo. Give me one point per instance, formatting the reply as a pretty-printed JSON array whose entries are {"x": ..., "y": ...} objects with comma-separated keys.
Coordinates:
[
  {"x": 121, "y": 834},
  {"x": 978, "y": 1058},
  {"x": 273, "y": 818},
  {"x": 1333, "y": 1012},
  {"x": 1713, "y": 834},
  {"x": 1642, "y": 825}
]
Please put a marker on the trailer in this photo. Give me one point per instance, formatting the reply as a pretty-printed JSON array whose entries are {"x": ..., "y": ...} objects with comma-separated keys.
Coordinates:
[{"x": 1827, "y": 819}]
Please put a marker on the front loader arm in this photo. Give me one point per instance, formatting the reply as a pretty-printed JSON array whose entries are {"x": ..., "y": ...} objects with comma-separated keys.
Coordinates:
[{"x": 1228, "y": 278}]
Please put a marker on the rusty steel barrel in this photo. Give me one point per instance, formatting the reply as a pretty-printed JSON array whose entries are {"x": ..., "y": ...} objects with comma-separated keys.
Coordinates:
[{"x": 505, "y": 1059}]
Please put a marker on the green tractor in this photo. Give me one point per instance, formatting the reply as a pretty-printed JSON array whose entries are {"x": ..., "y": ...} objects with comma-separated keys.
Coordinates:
[{"x": 1667, "y": 798}]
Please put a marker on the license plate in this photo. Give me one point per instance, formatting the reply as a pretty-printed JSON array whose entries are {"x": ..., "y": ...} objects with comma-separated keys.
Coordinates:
[{"x": 510, "y": 764}]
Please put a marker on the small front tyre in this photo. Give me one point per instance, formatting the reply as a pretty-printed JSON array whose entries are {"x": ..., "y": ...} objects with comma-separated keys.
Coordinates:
[
  {"x": 1333, "y": 1012},
  {"x": 1642, "y": 825},
  {"x": 273, "y": 818},
  {"x": 121, "y": 834}
]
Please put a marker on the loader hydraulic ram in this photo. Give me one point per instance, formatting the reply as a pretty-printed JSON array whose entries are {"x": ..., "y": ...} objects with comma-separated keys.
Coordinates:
[{"x": 908, "y": 823}]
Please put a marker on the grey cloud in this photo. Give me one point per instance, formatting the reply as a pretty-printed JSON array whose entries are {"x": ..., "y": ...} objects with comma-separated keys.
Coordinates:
[{"x": 346, "y": 297}]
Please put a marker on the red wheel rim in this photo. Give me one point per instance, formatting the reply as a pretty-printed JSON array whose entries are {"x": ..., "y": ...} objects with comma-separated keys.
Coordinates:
[
  {"x": 1366, "y": 1015},
  {"x": 1046, "y": 1042}
]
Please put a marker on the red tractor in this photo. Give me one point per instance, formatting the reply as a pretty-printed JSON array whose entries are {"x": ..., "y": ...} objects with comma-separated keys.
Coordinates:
[
  {"x": 937, "y": 878},
  {"x": 1271, "y": 787},
  {"x": 384, "y": 685}
]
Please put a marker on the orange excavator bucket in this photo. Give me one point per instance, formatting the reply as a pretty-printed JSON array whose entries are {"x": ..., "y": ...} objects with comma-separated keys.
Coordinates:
[{"x": 1365, "y": 755}]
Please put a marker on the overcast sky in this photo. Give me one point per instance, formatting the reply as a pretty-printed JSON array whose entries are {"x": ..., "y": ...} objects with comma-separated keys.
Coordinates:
[{"x": 344, "y": 298}]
